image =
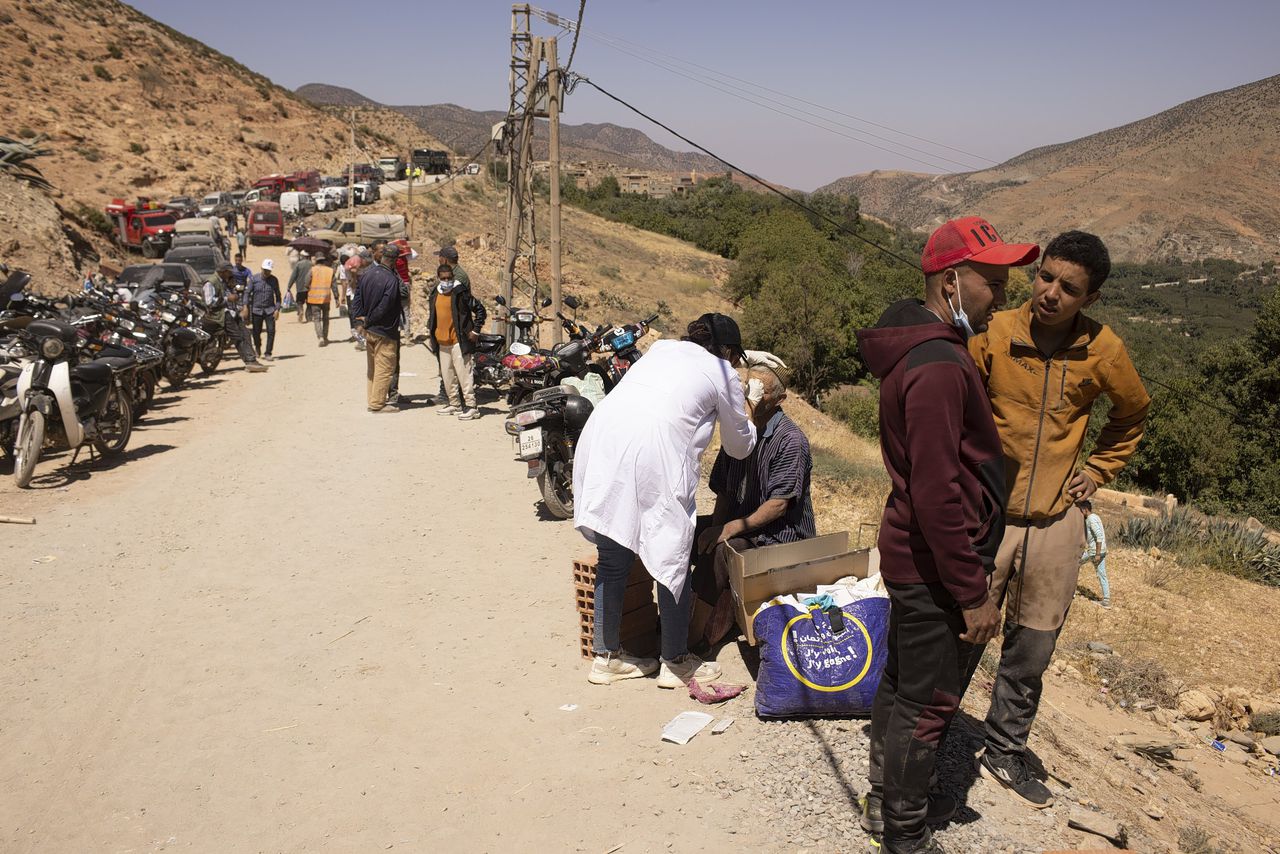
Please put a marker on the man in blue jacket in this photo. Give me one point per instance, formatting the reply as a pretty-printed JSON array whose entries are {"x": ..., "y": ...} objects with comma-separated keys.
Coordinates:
[{"x": 375, "y": 312}]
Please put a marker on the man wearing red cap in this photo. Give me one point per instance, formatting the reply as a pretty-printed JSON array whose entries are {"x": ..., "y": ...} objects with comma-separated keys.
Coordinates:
[
  {"x": 942, "y": 522},
  {"x": 1044, "y": 364}
]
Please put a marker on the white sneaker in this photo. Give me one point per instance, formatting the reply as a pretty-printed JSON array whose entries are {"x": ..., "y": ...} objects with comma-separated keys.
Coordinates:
[
  {"x": 469, "y": 414},
  {"x": 606, "y": 669},
  {"x": 676, "y": 674},
  {"x": 448, "y": 410}
]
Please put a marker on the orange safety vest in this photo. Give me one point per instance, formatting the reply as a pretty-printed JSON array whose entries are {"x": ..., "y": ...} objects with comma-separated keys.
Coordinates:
[{"x": 321, "y": 290}]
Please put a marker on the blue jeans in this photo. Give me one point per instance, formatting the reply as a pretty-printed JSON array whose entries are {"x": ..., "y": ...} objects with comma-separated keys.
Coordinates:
[
  {"x": 613, "y": 568},
  {"x": 1100, "y": 562}
]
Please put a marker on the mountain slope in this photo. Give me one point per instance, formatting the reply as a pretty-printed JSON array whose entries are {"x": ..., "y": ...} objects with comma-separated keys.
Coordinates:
[
  {"x": 467, "y": 130},
  {"x": 134, "y": 108},
  {"x": 1199, "y": 180}
]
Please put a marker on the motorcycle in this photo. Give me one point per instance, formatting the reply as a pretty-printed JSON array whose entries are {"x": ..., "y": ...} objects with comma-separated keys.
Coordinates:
[
  {"x": 546, "y": 429},
  {"x": 620, "y": 342},
  {"x": 85, "y": 403}
]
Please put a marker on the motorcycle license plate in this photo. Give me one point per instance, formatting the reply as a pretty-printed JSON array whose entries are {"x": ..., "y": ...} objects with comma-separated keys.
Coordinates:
[{"x": 530, "y": 443}]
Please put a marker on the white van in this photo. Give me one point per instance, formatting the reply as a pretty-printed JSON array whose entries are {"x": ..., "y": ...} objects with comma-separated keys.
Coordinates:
[{"x": 297, "y": 204}]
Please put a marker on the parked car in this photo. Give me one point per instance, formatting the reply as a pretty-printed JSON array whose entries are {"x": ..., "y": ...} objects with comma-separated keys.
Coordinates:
[
  {"x": 297, "y": 203},
  {"x": 210, "y": 226},
  {"x": 333, "y": 181},
  {"x": 266, "y": 223},
  {"x": 237, "y": 198},
  {"x": 185, "y": 240},
  {"x": 182, "y": 206},
  {"x": 338, "y": 195},
  {"x": 203, "y": 259},
  {"x": 323, "y": 201},
  {"x": 215, "y": 204},
  {"x": 366, "y": 193},
  {"x": 166, "y": 276},
  {"x": 362, "y": 228}
]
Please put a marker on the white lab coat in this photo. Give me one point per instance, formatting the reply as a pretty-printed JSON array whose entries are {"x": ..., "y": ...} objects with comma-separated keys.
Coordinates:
[{"x": 635, "y": 471}]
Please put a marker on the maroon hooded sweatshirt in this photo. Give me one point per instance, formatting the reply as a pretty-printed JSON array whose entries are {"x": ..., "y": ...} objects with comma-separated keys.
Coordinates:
[{"x": 944, "y": 517}]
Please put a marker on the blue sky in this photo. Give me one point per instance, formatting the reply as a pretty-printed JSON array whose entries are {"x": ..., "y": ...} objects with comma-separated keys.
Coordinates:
[{"x": 990, "y": 79}]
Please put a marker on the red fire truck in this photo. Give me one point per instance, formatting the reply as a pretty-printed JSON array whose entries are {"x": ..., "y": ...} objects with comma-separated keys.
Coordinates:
[{"x": 143, "y": 226}]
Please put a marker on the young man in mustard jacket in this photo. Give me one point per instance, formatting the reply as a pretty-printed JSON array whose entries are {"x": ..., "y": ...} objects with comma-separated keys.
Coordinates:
[{"x": 1044, "y": 364}]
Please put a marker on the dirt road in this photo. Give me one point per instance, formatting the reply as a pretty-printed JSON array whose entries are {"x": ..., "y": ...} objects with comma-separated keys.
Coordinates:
[{"x": 284, "y": 624}]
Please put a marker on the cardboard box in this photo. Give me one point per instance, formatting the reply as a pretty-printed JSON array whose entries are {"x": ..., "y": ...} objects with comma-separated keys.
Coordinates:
[{"x": 757, "y": 575}]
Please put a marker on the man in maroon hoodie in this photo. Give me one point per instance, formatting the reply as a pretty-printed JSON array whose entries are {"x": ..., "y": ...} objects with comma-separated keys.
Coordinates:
[{"x": 943, "y": 519}]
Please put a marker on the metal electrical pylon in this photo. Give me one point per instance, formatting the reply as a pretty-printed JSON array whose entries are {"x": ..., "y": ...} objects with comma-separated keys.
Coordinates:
[{"x": 520, "y": 275}]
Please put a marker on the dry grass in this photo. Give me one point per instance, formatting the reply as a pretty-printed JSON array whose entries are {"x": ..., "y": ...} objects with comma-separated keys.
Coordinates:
[{"x": 1201, "y": 626}]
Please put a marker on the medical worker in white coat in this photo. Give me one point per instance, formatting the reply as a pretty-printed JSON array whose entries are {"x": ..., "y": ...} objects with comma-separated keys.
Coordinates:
[{"x": 635, "y": 474}]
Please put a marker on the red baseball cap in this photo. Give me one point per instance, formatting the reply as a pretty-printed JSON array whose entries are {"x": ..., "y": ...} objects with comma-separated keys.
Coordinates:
[{"x": 972, "y": 238}]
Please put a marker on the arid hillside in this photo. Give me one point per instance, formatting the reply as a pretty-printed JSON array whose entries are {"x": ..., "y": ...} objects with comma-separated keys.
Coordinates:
[
  {"x": 134, "y": 108},
  {"x": 1199, "y": 180}
]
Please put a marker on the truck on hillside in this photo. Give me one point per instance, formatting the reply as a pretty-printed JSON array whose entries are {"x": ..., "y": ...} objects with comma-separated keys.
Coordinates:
[
  {"x": 142, "y": 226},
  {"x": 393, "y": 168},
  {"x": 432, "y": 161},
  {"x": 269, "y": 188},
  {"x": 303, "y": 181},
  {"x": 362, "y": 228}
]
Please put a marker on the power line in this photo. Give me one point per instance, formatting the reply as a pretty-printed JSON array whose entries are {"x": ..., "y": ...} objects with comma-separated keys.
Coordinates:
[
  {"x": 578, "y": 78},
  {"x": 1235, "y": 416},
  {"x": 788, "y": 110},
  {"x": 577, "y": 30},
  {"x": 756, "y": 87}
]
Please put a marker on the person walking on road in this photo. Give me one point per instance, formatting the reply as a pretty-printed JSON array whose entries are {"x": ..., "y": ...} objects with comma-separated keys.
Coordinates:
[
  {"x": 242, "y": 241},
  {"x": 352, "y": 269},
  {"x": 1095, "y": 549},
  {"x": 240, "y": 274},
  {"x": 262, "y": 301},
  {"x": 375, "y": 311},
  {"x": 941, "y": 524},
  {"x": 454, "y": 321},
  {"x": 319, "y": 295},
  {"x": 300, "y": 283},
  {"x": 223, "y": 299},
  {"x": 635, "y": 479},
  {"x": 1044, "y": 364}
]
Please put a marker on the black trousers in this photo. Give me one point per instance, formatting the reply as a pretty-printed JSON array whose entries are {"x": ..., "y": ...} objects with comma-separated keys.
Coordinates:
[
  {"x": 924, "y": 677},
  {"x": 239, "y": 336},
  {"x": 260, "y": 320}
]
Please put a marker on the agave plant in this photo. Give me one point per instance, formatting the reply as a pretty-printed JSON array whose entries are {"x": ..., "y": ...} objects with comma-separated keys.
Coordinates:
[{"x": 16, "y": 157}]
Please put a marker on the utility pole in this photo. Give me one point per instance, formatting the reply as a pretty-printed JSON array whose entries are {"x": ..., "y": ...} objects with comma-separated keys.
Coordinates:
[
  {"x": 351, "y": 169},
  {"x": 553, "y": 115},
  {"x": 517, "y": 139},
  {"x": 408, "y": 220}
]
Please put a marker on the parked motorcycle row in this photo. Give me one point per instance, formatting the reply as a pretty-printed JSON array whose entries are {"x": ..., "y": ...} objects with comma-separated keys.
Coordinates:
[
  {"x": 548, "y": 408},
  {"x": 80, "y": 371}
]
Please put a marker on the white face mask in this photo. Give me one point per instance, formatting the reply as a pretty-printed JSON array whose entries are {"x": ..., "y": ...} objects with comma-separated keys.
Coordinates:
[
  {"x": 447, "y": 285},
  {"x": 958, "y": 316}
]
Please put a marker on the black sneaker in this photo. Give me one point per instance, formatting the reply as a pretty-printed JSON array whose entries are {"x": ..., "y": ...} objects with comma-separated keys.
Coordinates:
[
  {"x": 941, "y": 808},
  {"x": 1013, "y": 773},
  {"x": 927, "y": 845}
]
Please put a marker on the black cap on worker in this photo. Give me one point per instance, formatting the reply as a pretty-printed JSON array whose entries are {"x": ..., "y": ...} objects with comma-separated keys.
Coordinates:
[
  {"x": 448, "y": 253},
  {"x": 390, "y": 253},
  {"x": 725, "y": 332},
  {"x": 225, "y": 267}
]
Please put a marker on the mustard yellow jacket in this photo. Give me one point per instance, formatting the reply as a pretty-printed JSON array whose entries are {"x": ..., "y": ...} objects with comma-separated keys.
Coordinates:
[{"x": 1041, "y": 405}]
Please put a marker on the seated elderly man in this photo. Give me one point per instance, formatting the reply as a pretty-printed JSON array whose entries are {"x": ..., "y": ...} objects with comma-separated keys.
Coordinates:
[{"x": 760, "y": 501}]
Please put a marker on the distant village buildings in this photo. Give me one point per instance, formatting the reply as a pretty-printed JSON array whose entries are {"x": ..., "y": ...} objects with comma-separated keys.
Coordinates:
[{"x": 587, "y": 174}]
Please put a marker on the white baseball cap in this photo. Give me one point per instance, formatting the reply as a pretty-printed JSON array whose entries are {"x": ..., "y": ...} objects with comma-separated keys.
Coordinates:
[{"x": 268, "y": 264}]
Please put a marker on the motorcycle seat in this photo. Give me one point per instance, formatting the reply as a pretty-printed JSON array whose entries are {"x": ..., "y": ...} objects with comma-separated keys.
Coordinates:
[
  {"x": 52, "y": 328},
  {"x": 97, "y": 371},
  {"x": 118, "y": 363},
  {"x": 531, "y": 362},
  {"x": 486, "y": 338}
]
